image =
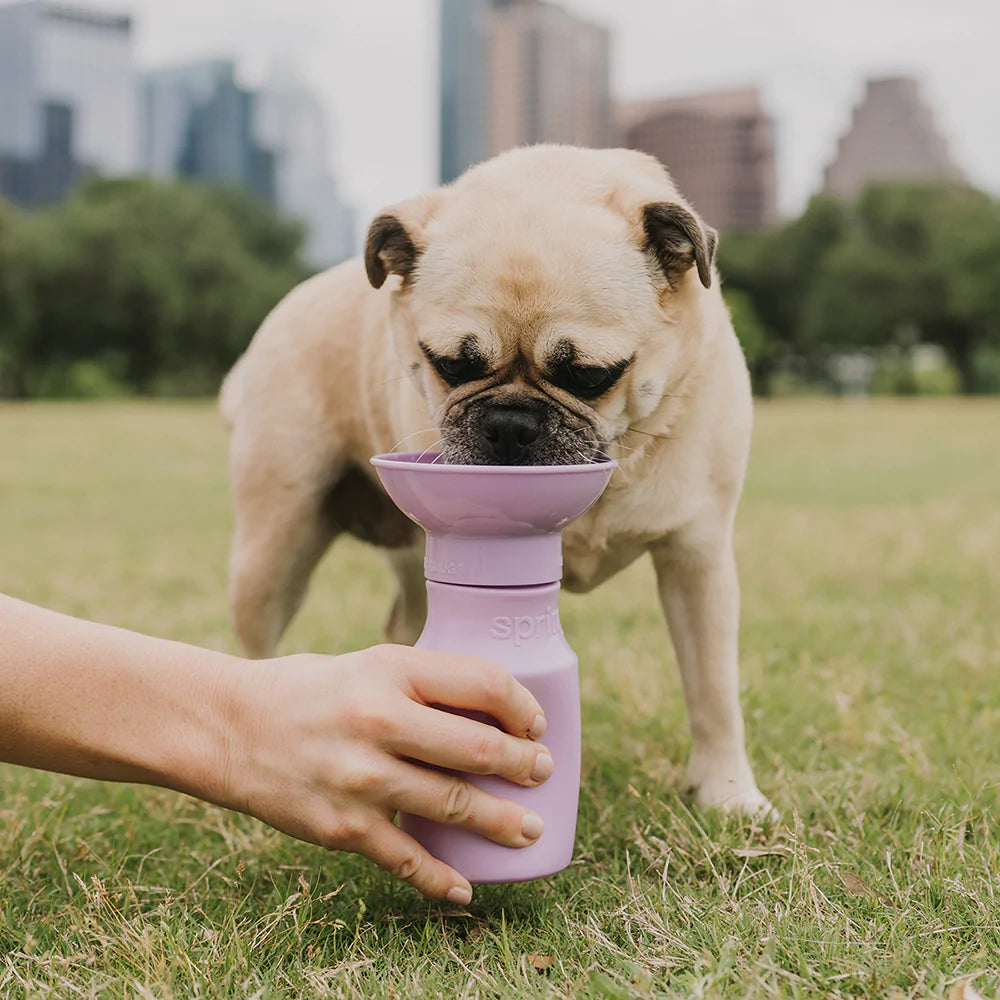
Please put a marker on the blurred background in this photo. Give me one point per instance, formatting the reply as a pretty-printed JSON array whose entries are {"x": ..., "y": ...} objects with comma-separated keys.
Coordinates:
[{"x": 170, "y": 168}]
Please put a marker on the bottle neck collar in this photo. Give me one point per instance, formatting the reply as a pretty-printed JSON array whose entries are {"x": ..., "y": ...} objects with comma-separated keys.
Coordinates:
[{"x": 520, "y": 561}]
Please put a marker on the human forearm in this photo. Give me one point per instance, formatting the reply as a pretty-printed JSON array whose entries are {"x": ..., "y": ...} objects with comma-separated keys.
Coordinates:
[{"x": 101, "y": 702}]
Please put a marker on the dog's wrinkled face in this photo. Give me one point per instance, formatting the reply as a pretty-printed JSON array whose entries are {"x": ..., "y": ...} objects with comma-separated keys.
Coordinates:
[{"x": 537, "y": 327}]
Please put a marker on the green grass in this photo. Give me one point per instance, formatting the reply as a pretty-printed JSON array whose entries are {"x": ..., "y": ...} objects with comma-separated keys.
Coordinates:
[{"x": 869, "y": 545}]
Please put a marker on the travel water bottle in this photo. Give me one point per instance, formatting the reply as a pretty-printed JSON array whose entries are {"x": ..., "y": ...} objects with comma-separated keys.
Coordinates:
[{"x": 493, "y": 564}]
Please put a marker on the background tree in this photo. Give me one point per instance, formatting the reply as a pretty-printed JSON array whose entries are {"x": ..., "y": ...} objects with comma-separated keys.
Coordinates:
[
  {"x": 163, "y": 284},
  {"x": 755, "y": 339},
  {"x": 774, "y": 269},
  {"x": 923, "y": 257},
  {"x": 140, "y": 286},
  {"x": 16, "y": 302}
]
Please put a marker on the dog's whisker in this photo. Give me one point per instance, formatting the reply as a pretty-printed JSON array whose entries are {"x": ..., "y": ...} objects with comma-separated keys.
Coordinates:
[
  {"x": 586, "y": 458},
  {"x": 662, "y": 437},
  {"x": 429, "y": 448},
  {"x": 423, "y": 430}
]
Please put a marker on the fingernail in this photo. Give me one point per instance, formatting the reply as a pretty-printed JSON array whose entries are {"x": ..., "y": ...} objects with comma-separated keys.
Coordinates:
[
  {"x": 537, "y": 730},
  {"x": 531, "y": 826},
  {"x": 460, "y": 894},
  {"x": 543, "y": 767}
]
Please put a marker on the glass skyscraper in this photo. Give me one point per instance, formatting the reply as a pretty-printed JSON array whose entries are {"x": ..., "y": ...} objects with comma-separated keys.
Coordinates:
[
  {"x": 68, "y": 98},
  {"x": 462, "y": 85},
  {"x": 517, "y": 72},
  {"x": 292, "y": 122},
  {"x": 198, "y": 122}
]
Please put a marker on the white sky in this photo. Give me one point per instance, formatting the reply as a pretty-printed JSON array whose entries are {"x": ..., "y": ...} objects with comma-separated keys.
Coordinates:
[{"x": 374, "y": 64}]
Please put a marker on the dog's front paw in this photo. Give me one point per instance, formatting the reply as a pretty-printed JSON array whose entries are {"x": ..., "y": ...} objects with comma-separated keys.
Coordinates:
[
  {"x": 731, "y": 790},
  {"x": 749, "y": 803}
]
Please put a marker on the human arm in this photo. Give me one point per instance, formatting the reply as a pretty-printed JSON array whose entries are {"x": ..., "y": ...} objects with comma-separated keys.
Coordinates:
[{"x": 318, "y": 747}]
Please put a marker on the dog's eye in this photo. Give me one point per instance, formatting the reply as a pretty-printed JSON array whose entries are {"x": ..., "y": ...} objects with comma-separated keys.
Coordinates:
[
  {"x": 467, "y": 367},
  {"x": 588, "y": 381},
  {"x": 455, "y": 370}
]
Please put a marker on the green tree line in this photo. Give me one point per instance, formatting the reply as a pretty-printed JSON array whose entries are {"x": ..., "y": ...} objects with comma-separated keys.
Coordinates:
[
  {"x": 906, "y": 264},
  {"x": 137, "y": 286}
]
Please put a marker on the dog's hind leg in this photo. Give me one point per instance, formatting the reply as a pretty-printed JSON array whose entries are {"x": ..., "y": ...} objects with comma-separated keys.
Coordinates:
[
  {"x": 409, "y": 610},
  {"x": 281, "y": 531}
]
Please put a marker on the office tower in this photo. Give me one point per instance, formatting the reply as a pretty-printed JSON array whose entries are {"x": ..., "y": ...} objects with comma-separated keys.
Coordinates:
[
  {"x": 892, "y": 137},
  {"x": 68, "y": 101},
  {"x": 292, "y": 123},
  {"x": 198, "y": 122},
  {"x": 462, "y": 85},
  {"x": 516, "y": 72},
  {"x": 719, "y": 149}
]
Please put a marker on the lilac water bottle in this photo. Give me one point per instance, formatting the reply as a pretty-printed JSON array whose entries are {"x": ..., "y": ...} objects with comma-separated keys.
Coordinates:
[{"x": 493, "y": 564}]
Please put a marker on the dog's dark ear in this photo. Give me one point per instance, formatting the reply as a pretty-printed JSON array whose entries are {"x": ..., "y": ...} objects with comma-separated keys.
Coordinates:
[
  {"x": 678, "y": 239},
  {"x": 396, "y": 238},
  {"x": 389, "y": 249}
]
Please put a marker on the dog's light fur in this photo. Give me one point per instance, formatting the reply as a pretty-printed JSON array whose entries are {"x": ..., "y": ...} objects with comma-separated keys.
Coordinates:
[{"x": 539, "y": 244}]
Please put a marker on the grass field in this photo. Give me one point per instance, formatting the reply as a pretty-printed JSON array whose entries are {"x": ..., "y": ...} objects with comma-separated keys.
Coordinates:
[{"x": 869, "y": 546}]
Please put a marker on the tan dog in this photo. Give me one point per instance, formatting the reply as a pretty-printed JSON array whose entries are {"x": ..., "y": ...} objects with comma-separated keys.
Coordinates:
[{"x": 550, "y": 304}]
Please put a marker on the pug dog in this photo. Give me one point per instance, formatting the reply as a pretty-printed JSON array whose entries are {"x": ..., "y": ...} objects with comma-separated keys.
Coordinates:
[{"x": 551, "y": 305}]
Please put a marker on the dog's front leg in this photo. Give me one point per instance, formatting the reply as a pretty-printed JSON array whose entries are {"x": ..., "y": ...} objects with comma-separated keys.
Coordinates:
[{"x": 699, "y": 591}]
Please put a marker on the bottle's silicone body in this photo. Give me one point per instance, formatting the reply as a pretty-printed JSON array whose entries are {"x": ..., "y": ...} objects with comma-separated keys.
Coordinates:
[{"x": 519, "y": 628}]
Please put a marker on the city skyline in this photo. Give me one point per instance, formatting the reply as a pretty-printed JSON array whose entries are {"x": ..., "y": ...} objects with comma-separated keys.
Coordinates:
[
  {"x": 811, "y": 71},
  {"x": 76, "y": 103}
]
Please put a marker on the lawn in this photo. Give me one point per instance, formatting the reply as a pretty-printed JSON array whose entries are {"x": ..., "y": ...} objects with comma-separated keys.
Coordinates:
[{"x": 869, "y": 547}]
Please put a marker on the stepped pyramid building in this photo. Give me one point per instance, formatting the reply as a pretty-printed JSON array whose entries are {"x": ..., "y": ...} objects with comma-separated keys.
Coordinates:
[{"x": 892, "y": 137}]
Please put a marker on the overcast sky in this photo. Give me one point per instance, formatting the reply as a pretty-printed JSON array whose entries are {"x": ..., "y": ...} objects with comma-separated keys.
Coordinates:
[{"x": 374, "y": 64}]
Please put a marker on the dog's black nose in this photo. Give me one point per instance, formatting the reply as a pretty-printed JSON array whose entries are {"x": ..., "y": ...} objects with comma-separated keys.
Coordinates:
[{"x": 509, "y": 431}]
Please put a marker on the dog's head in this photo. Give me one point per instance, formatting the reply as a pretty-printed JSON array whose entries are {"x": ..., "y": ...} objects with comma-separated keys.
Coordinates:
[{"x": 545, "y": 301}]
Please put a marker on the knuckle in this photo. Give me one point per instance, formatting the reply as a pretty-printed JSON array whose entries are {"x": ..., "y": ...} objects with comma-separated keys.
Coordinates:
[
  {"x": 486, "y": 753},
  {"x": 508, "y": 823},
  {"x": 391, "y": 656},
  {"x": 388, "y": 724},
  {"x": 408, "y": 866},
  {"x": 499, "y": 685},
  {"x": 365, "y": 781},
  {"x": 351, "y": 712},
  {"x": 363, "y": 717},
  {"x": 457, "y": 800}
]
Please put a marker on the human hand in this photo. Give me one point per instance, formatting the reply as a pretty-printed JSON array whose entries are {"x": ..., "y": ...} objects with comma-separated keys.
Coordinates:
[{"x": 326, "y": 748}]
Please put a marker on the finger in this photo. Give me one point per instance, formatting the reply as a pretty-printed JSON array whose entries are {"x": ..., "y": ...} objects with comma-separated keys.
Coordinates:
[
  {"x": 472, "y": 683},
  {"x": 445, "y": 740},
  {"x": 400, "y": 855},
  {"x": 448, "y": 798}
]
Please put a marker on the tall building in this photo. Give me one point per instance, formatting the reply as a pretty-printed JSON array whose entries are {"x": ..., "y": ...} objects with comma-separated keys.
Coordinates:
[
  {"x": 291, "y": 122},
  {"x": 68, "y": 101},
  {"x": 198, "y": 122},
  {"x": 462, "y": 85},
  {"x": 719, "y": 149},
  {"x": 892, "y": 137},
  {"x": 516, "y": 72}
]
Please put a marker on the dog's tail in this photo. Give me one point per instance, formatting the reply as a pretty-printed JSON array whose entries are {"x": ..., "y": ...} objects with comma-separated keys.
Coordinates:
[{"x": 231, "y": 392}]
